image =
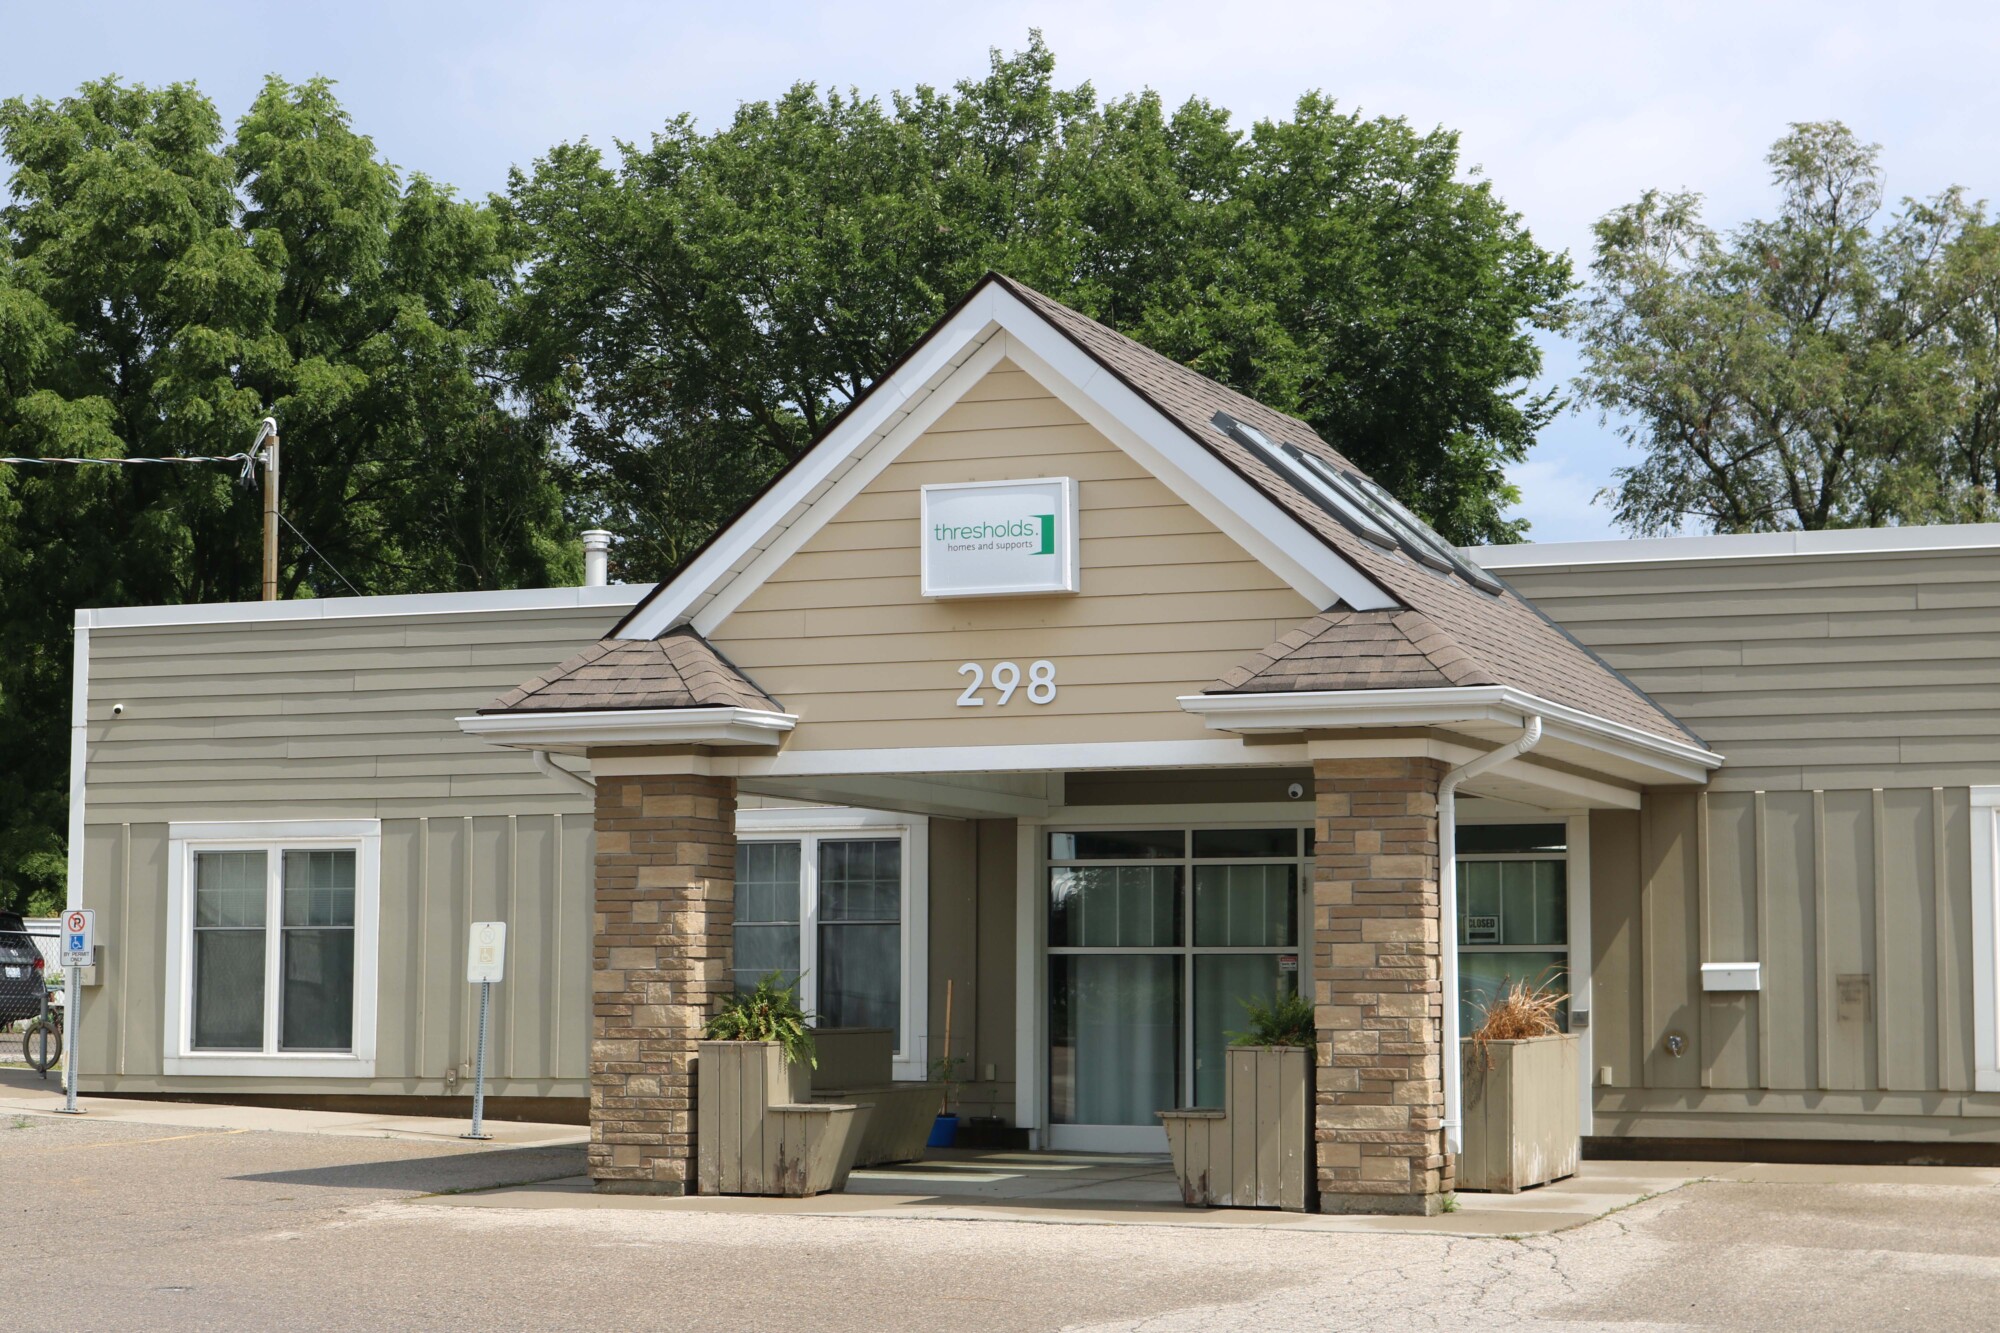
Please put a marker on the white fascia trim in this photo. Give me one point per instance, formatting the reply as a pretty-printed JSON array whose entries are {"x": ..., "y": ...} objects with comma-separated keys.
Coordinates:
[
  {"x": 993, "y": 325},
  {"x": 817, "y": 819},
  {"x": 630, "y": 726},
  {"x": 1591, "y": 793},
  {"x": 1214, "y": 490},
  {"x": 79, "y": 760},
  {"x": 1316, "y": 709},
  {"x": 892, "y": 400},
  {"x": 986, "y": 759},
  {"x": 356, "y": 608},
  {"x": 1740, "y": 546},
  {"x": 852, "y": 468},
  {"x": 271, "y": 830},
  {"x": 1986, "y": 939}
]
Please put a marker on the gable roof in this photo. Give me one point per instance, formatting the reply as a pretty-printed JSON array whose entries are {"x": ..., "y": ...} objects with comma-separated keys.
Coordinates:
[
  {"x": 1503, "y": 633},
  {"x": 680, "y": 669},
  {"x": 1499, "y": 634}
]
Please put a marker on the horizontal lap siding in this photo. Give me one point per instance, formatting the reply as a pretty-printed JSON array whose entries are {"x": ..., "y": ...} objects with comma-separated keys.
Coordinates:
[
  {"x": 841, "y": 635},
  {"x": 302, "y": 719},
  {"x": 1854, "y": 699},
  {"x": 1806, "y": 672}
]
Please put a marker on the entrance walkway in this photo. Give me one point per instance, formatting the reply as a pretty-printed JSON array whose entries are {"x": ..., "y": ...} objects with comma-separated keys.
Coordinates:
[{"x": 1114, "y": 1190}]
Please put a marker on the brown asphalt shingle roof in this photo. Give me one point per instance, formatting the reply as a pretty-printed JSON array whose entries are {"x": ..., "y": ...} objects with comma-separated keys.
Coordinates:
[
  {"x": 677, "y": 670},
  {"x": 1358, "y": 650},
  {"x": 1501, "y": 635}
]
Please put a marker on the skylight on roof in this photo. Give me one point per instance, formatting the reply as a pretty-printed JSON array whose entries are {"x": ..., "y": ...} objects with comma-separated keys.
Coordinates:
[
  {"x": 1360, "y": 504},
  {"x": 1465, "y": 569},
  {"x": 1290, "y": 461}
]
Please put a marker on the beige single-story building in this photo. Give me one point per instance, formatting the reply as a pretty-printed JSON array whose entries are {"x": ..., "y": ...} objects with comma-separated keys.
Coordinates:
[{"x": 1060, "y": 676}]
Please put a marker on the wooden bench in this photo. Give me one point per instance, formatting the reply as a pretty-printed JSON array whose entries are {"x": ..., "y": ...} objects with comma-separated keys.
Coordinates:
[{"x": 856, "y": 1065}]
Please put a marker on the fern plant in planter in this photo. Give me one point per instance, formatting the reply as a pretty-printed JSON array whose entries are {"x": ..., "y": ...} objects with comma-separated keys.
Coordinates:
[
  {"x": 1286, "y": 1021},
  {"x": 770, "y": 1011}
]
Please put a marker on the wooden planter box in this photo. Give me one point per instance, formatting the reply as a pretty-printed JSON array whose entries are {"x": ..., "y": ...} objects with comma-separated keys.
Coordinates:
[
  {"x": 1256, "y": 1151},
  {"x": 757, "y": 1131},
  {"x": 1523, "y": 1125}
]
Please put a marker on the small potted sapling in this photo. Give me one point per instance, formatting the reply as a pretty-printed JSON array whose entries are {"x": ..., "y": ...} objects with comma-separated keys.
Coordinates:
[
  {"x": 1522, "y": 1124},
  {"x": 757, "y": 1129},
  {"x": 944, "y": 1073},
  {"x": 1268, "y": 1090}
]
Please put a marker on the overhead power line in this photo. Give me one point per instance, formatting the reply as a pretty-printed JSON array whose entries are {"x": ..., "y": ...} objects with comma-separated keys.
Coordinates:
[
  {"x": 262, "y": 451},
  {"x": 248, "y": 460}
]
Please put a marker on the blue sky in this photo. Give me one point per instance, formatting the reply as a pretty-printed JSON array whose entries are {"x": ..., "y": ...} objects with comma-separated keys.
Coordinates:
[{"x": 1570, "y": 108}]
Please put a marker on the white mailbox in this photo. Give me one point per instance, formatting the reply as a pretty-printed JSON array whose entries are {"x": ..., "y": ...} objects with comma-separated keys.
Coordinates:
[{"x": 1732, "y": 976}]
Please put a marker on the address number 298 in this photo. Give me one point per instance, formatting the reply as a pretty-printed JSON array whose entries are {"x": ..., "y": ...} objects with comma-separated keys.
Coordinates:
[{"x": 1006, "y": 678}]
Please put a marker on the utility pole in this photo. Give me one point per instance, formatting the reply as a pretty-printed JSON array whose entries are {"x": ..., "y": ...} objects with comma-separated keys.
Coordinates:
[{"x": 269, "y": 434}]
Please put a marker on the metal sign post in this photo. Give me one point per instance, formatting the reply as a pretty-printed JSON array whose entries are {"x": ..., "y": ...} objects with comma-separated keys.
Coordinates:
[
  {"x": 79, "y": 931},
  {"x": 485, "y": 963}
]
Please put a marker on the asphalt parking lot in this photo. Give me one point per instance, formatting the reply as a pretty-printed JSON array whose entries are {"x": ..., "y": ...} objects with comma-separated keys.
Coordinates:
[{"x": 177, "y": 1226}]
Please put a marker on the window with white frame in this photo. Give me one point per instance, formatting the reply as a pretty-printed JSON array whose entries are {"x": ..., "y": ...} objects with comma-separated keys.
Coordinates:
[
  {"x": 272, "y": 944},
  {"x": 833, "y": 901}
]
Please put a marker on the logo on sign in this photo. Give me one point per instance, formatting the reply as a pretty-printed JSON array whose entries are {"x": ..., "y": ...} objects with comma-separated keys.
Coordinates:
[{"x": 998, "y": 538}]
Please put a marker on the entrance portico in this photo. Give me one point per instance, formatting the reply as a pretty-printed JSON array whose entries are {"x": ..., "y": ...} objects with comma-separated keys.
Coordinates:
[{"x": 1158, "y": 706}]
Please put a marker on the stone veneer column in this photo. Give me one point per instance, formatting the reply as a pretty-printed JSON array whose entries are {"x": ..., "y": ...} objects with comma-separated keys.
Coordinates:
[
  {"x": 1380, "y": 1113},
  {"x": 666, "y": 891}
]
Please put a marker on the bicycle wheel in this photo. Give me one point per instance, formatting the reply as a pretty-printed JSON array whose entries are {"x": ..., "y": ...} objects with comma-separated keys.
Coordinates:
[{"x": 41, "y": 1045}]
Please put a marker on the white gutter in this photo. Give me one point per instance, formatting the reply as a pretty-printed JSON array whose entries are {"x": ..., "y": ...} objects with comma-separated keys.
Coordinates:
[
  {"x": 552, "y": 769},
  {"x": 79, "y": 743},
  {"x": 1447, "y": 822},
  {"x": 578, "y": 731},
  {"x": 1453, "y": 705}
]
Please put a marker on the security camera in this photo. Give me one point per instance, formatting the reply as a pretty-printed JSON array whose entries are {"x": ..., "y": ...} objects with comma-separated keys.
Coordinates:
[
  {"x": 117, "y": 710},
  {"x": 1296, "y": 790}
]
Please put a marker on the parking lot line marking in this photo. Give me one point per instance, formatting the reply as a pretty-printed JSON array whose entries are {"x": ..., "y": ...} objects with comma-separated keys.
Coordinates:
[{"x": 168, "y": 1138}]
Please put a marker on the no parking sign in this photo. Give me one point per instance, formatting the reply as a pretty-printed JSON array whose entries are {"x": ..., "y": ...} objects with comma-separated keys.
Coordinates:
[{"x": 79, "y": 930}]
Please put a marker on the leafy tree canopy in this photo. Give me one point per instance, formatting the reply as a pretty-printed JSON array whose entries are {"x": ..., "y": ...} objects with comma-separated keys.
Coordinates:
[
  {"x": 162, "y": 287},
  {"x": 1823, "y": 368},
  {"x": 701, "y": 306}
]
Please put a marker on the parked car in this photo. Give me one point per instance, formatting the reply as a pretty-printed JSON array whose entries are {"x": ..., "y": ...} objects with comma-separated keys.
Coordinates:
[{"x": 21, "y": 982}]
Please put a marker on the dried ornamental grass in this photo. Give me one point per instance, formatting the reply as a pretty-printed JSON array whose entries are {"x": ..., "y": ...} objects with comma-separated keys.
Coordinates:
[{"x": 1518, "y": 1013}]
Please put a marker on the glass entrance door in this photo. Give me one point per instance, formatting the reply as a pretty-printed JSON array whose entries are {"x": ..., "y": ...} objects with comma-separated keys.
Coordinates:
[{"x": 1156, "y": 937}]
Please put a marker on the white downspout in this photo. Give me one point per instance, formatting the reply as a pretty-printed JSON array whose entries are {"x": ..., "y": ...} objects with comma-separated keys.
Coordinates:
[
  {"x": 551, "y": 768},
  {"x": 1454, "y": 1104}
]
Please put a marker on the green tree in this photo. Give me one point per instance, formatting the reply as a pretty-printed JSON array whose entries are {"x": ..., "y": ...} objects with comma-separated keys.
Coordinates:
[
  {"x": 162, "y": 287},
  {"x": 1812, "y": 370},
  {"x": 699, "y": 308}
]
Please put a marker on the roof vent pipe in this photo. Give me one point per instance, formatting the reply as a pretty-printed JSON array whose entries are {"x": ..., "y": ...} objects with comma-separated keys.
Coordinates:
[
  {"x": 1453, "y": 1062},
  {"x": 596, "y": 558}
]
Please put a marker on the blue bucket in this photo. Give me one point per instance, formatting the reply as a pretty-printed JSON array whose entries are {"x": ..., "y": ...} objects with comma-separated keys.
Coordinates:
[{"x": 944, "y": 1131}]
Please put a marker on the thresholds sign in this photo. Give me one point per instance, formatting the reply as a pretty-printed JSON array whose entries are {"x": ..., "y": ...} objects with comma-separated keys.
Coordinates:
[{"x": 999, "y": 538}]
